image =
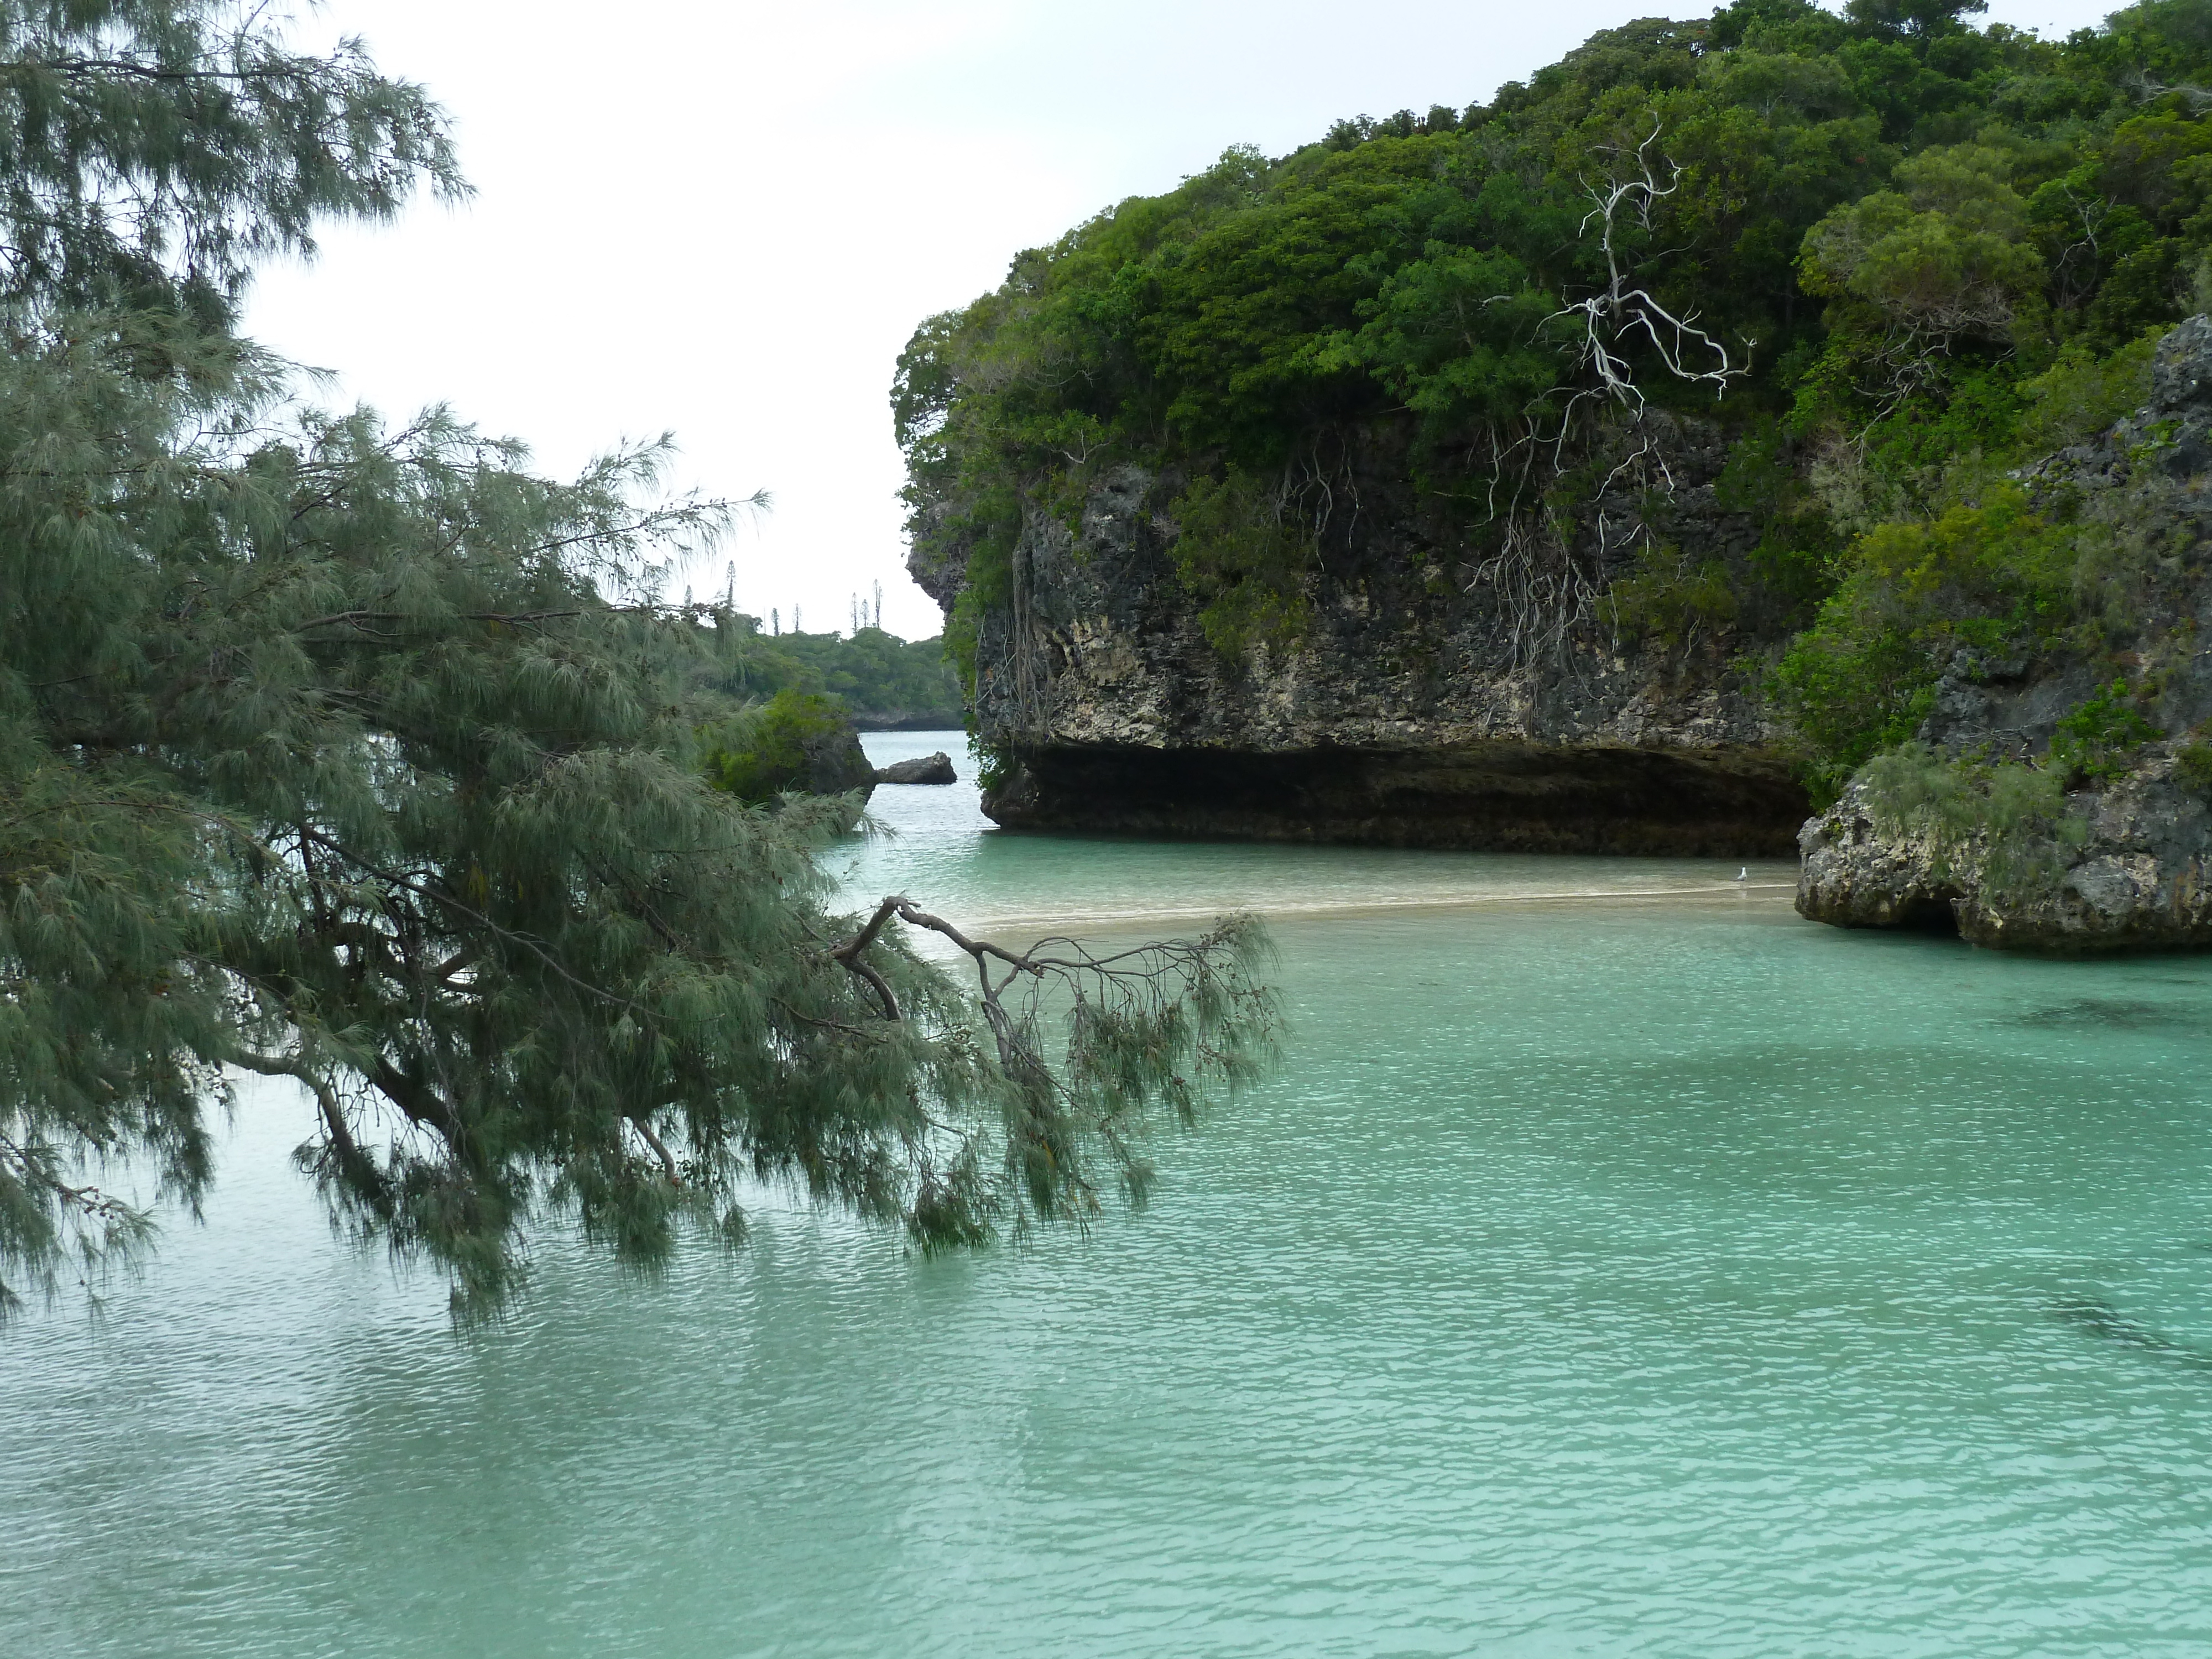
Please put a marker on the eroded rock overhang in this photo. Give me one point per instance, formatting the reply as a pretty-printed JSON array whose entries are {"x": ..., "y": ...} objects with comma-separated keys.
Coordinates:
[{"x": 1497, "y": 797}]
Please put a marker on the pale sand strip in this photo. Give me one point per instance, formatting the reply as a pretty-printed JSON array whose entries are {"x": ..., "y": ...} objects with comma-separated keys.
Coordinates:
[{"x": 1123, "y": 920}]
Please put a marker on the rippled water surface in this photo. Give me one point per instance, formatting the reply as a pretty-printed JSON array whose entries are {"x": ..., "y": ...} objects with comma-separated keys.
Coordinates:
[{"x": 1604, "y": 1275}]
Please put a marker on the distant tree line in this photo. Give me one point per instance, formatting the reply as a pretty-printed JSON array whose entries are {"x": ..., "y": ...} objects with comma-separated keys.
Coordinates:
[{"x": 877, "y": 676}]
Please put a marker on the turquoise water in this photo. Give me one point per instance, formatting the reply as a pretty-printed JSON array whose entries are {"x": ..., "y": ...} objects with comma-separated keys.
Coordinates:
[{"x": 1604, "y": 1276}]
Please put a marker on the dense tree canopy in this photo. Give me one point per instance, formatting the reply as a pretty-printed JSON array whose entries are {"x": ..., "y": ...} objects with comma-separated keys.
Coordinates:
[
  {"x": 1884, "y": 248},
  {"x": 362, "y": 756}
]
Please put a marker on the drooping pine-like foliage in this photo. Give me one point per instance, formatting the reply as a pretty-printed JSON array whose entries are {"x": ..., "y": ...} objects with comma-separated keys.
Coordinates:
[
  {"x": 364, "y": 757},
  {"x": 151, "y": 153}
]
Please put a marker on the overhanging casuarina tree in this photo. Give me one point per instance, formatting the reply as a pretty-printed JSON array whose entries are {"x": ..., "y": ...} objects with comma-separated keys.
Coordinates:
[{"x": 365, "y": 759}]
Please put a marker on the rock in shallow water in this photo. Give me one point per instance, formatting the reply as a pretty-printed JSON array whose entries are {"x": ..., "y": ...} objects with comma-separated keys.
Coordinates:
[
  {"x": 1414, "y": 706},
  {"x": 928, "y": 769},
  {"x": 2124, "y": 867},
  {"x": 2135, "y": 880}
]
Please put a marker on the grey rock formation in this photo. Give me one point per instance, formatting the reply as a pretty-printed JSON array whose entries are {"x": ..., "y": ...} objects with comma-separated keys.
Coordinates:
[
  {"x": 2135, "y": 881},
  {"x": 2129, "y": 871},
  {"x": 1416, "y": 710},
  {"x": 836, "y": 763},
  {"x": 928, "y": 769}
]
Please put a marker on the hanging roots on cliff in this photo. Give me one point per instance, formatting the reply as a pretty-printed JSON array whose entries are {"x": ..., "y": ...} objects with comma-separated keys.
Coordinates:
[
  {"x": 1560, "y": 534},
  {"x": 1546, "y": 586}
]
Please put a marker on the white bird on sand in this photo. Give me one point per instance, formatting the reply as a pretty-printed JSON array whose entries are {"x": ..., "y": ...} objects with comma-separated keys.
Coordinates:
[{"x": 1744, "y": 874}]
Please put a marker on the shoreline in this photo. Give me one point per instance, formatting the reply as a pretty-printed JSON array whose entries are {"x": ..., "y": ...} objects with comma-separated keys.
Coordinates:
[{"x": 1124, "y": 920}]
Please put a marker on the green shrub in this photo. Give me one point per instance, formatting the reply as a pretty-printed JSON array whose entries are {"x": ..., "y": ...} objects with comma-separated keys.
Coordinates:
[
  {"x": 962, "y": 630},
  {"x": 1241, "y": 551},
  {"x": 994, "y": 763},
  {"x": 2192, "y": 768},
  {"x": 2009, "y": 820},
  {"x": 1669, "y": 598},
  {"x": 1979, "y": 578},
  {"x": 768, "y": 750},
  {"x": 2082, "y": 394},
  {"x": 2095, "y": 738}
]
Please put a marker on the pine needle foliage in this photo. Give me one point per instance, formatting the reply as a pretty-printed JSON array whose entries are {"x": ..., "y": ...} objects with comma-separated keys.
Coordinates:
[
  {"x": 364, "y": 756},
  {"x": 151, "y": 152}
]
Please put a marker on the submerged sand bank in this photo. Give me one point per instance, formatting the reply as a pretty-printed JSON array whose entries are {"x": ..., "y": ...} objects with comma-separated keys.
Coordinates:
[{"x": 1769, "y": 886}]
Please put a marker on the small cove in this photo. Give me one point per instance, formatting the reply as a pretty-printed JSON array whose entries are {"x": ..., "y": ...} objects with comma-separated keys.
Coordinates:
[{"x": 1619, "y": 1265}]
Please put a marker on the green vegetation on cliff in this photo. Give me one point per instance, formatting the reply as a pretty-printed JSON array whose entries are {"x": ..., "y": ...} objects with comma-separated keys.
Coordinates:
[
  {"x": 798, "y": 741},
  {"x": 1893, "y": 255}
]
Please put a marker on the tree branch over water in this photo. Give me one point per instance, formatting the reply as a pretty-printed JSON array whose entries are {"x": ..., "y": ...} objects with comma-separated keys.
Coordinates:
[{"x": 1162, "y": 1023}]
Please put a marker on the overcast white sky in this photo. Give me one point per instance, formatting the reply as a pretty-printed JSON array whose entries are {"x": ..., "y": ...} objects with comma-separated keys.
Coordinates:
[{"x": 724, "y": 218}]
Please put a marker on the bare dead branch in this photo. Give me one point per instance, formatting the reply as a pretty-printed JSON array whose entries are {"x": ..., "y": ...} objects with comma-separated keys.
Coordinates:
[{"x": 1622, "y": 308}]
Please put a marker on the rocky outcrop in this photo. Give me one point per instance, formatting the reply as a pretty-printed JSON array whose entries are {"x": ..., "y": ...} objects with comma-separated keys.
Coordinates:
[
  {"x": 2125, "y": 866},
  {"x": 833, "y": 762},
  {"x": 1425, "y": 704},
  {"x": 928, "y": 768},
  {"x": 2131, "y": 876}
]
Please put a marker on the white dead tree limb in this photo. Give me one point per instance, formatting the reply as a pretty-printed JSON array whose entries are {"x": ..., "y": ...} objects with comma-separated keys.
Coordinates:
[
  {"x": 1547, "y": 589},
  {"x": 2146, "y": 87},
  {"x": 1624, "y": 307}
]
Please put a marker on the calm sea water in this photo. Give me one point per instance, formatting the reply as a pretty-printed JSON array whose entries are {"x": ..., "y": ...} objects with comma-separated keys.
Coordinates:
[{"x": 1605, "y": 1275}]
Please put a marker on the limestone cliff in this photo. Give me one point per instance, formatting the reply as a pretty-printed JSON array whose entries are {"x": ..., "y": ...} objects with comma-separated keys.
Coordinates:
[
  {"x": 1425, "y": 703},
  {"x": 2122, "y": 864},
  {"x": 2131, "y": 876}
]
